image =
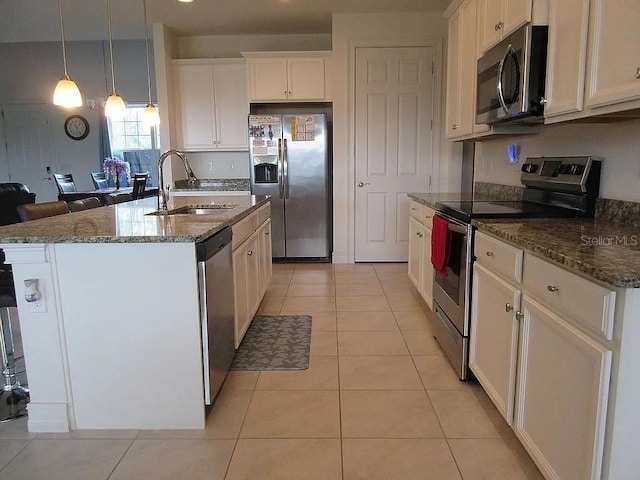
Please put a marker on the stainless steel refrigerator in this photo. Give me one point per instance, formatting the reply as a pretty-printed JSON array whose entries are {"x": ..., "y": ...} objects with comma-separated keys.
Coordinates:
[{"x": 290, "y": 161}]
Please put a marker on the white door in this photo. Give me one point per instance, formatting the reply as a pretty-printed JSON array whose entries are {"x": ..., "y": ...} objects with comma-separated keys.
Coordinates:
[
  {"x": 393, "y": 146},
  {"x": 30, "y": 154}
]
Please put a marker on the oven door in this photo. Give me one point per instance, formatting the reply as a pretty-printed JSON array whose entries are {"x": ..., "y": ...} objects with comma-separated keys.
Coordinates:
[{"x": 451, "y": 291}]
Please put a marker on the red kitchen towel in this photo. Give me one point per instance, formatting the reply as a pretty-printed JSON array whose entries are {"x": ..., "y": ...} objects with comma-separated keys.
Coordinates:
[{"x": 440, "y": 244}]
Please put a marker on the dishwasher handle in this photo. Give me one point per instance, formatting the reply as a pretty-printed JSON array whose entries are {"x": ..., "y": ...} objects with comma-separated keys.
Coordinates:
[{"x": 212, "y": 245}]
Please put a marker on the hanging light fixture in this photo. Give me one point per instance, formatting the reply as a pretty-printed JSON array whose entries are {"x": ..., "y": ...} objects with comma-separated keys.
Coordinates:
[
  {"x": 150, "y": 114},
  {"x": 66, "y": 93},
  {"x": 115, "y": 106}
]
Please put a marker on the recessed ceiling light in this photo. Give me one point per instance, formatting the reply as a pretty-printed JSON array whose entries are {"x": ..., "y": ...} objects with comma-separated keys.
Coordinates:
[{"x": 185, "y": 1}]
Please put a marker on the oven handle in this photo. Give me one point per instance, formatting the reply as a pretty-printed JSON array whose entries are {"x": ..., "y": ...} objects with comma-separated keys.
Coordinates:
[{"x": 457, "y": 229}]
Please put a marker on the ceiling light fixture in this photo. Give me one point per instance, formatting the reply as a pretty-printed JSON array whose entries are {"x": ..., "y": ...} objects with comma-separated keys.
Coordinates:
[
  {"x": 115, "y": 106},
  {"x": 185, "y": 1},
  {"x": 67, "y": 93},
  {"x": 150, "y": 114}
]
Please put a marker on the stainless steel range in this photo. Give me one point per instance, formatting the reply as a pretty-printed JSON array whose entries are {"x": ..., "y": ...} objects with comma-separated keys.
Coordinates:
[{"x": 555, "y": 187}]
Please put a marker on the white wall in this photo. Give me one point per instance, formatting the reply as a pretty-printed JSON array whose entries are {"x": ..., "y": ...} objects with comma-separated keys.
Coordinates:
[
  {"x": 230, "y": 46},
  {"x": 404, "y": 29},
  {"x": 30, "y": 72},
  {"x": 618, "y": 144}
]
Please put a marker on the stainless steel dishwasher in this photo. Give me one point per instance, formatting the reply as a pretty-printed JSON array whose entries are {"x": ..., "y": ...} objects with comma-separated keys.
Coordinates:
[{"x": 215, "y": 280}]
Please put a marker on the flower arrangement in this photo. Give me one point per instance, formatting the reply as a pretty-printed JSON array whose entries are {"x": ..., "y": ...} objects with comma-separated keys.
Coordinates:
[{"x": 113, "y": 167}]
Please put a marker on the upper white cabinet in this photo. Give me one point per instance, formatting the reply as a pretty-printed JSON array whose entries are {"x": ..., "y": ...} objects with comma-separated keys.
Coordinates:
[
  {"x": 211, "y": 99},
  {"x": 288, "y": 76},
  {"x": 592, "y": 66},
  {"x": 461, "y": 72},
  {"x": 614, "y": 52},
  {"x": 499, "y": 18}
]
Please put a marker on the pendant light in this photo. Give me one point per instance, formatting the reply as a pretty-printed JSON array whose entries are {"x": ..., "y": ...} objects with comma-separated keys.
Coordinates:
[
  {"x": 66, "y": 93},
  {"x": 115, "y": 106},
  {"x": 150, "y": 114}
]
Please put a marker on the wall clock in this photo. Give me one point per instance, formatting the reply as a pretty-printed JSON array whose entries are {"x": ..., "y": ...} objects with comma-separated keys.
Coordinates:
[{"x": 76, "y": 127}]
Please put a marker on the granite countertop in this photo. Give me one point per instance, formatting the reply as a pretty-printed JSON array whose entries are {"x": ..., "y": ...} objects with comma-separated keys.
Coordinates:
[
  {"x": 430, "y": 199},
  {"x": 213, "y": 184},
  {"x": 130, "y": 222},
  {"x": 600, "y": 250}
]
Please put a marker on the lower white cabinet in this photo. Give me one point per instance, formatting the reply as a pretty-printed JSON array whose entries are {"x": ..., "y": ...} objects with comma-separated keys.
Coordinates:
[
  {"x": 251, "y": 268},
  {"x": 563, "y": 387},
  {"x": 547, "y": 372},
  {"x": 420, "y": 270},
  {"x": 493, "y": 350}
]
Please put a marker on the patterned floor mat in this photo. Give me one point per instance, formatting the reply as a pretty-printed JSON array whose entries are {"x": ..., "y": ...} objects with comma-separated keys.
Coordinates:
[{"x": 275, "y": 342}]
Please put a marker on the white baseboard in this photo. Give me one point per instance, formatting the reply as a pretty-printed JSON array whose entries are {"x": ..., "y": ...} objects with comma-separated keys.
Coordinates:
[{"x": 48, "y": 417}]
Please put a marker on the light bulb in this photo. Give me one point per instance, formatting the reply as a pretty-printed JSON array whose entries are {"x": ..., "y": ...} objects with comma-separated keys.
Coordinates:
[
  {"x": 150, "y": 115},
  {"x": 115, "y": 106},
  {"x": 67, "y": 93}
]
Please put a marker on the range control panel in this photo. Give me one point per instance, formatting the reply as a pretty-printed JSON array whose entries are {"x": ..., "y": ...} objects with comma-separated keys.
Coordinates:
[{"x": 568, "y": 174}]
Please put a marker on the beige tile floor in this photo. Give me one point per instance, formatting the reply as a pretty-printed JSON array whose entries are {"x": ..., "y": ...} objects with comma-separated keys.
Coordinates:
[{"x": 379, "y": 401}]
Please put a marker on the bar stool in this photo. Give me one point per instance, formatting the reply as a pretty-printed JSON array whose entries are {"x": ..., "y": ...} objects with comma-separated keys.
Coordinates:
[{"x": 14, "y": 396}]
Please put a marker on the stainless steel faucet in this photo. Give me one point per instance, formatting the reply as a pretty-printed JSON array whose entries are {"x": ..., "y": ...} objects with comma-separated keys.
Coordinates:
[{"x": 163, "y": 191}]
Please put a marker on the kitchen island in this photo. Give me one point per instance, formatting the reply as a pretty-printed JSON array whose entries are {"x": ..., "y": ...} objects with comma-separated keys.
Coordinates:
[{"x": 115, "y": 340}]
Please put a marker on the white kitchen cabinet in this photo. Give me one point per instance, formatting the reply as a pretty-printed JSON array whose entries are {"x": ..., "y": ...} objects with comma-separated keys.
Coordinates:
[
  {"x": 493, "y": 349},
  {"x": 613, "y": 74},
  {"x": 288, "y": 76},
  {"x": 499, "y": 18},
  {"x": 593, "y": 69},
  {"x": 211, "y": 104},
  {"x": 265, "y": 255},
  {"x": 546, "y": 369},
  {"x": 252, "y": 269},
  {"x": 563, "y": 388},
  {"x": 461, "y": 72},
  {"x": 420, "y": 270}
]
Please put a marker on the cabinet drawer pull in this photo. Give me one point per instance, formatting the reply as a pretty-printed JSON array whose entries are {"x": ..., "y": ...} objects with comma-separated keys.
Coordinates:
[
  {"x": 250, "y": 252},
  {"x": 508, "y": 307},
  {"x": 420, "y": 235},
  {"x": 427, "y": 216},
  {"x": 552, "y": 288},
  {"x": 413, "y": 209},
  {"x": 489, "y": 254},
  {"x": 454, "y": 126}
]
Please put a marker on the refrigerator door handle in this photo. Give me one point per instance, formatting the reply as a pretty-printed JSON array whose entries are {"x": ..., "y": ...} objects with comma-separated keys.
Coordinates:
[
  {"x": 280, "y": 169},
  {"x": 286, "y": 170}
]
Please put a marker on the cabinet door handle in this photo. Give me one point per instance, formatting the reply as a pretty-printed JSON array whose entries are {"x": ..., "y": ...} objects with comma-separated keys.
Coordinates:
[
  {"x": 489, "y": 254},
  {"x": 508, "y": 307},
  {"x": 289, "y": 93},
  {"x": 543, "y": 101},
  {"x": 499, "y": 25},
  {"x": 638, "y": 72},
  {"x": 519, "y": 316},
  {"x": 266, "y": 232},
  {"x": 413, "y": 209},
  {"x": 250, "y": 252},
  {"x": 427, "y": 216},
  {"x": 454, "y": 126},
  {"x": 420, "y": 235},
  {"x": 552, "y": 288}
]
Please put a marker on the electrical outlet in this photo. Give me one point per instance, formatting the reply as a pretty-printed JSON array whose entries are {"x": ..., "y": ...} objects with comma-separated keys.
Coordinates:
[
  {"x": 211, "y": 166},
  {"x": 39, "y": 306}
]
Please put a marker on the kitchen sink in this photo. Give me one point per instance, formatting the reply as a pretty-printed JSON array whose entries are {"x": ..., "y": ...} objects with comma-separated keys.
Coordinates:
[{"x": 195, "y": 210}]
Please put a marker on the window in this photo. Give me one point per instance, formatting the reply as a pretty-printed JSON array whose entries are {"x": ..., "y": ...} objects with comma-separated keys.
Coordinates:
[
  {"x": 135, "y": 142},
  {"x": 130, "y": 133}
]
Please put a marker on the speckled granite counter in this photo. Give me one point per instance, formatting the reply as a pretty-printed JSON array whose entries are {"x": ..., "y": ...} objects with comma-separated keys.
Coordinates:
[
  {"x": 130, "y": 222},
  {"x": 600, "y": 250},
  {"x": 214, "y": 185},
  {"x": 430, "y": 199}
]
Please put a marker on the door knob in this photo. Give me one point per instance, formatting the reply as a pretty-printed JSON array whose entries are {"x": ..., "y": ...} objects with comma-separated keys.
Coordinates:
[{"x": 362, "y": 184}]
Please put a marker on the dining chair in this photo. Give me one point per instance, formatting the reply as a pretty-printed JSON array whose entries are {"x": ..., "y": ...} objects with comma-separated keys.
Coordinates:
[
  {"x": 65, "y": 183},
  {"x": 84, "y": 204},
  {"x": 34, "y": 211},
  {"x": 99, "y": 180},
  {"x": 113, "y": 198},
  {"x": 139, "y": 184}
]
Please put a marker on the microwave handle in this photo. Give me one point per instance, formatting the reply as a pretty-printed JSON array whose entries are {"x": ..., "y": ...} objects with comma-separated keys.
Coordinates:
[{"x": 508, "y": 52}]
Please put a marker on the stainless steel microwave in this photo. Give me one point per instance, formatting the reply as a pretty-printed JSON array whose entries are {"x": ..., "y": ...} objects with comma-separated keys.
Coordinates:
[{"x": 511, "y": 78}]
